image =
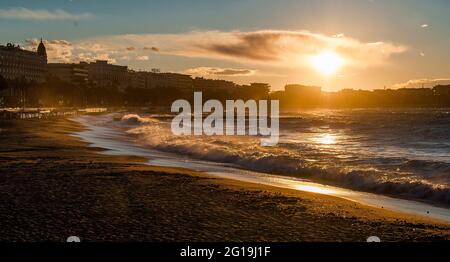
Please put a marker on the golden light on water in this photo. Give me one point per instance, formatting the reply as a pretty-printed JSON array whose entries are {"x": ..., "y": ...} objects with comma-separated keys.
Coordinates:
[
  {"x": 326, "y": 139},
  {"x": 327, "y": 63},
  {"x": 315, "y": 189}
]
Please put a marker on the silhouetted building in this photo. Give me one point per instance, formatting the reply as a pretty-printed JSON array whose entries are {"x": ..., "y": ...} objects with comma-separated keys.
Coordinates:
[
  {"x": 71, "y": 73},
  {"x": 42, "y": 51},
  {"x": 415, "y": 91},
  {"x": 103, "y": 74},
  {"x": 302, "y": 90},
  {"x": 201, "y": 83},
  {"x": 173, "y": 80},
  {"x": 257, "y": 91},
  {"x": 302, "y": 95},
  {"x": 137, "y": 79},
  {"x": 442, "y": 90},
  {"x": 20, "y": 64}
]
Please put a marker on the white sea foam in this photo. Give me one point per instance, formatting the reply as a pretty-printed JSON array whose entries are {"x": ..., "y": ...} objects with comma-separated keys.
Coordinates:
[
  {"x": 335, "y": 158},
  {"x": 231, "y": 156},
  {"x": 134, "y": 119}
]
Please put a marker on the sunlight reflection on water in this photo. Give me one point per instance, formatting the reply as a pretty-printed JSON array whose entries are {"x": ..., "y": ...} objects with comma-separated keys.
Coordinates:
[
  {"x": 326, "y": 139},
  {"x": 338, "y": 155}
]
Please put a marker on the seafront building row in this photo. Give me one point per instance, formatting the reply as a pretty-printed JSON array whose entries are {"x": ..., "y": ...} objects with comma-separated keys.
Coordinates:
[{"x": 17, "y": 64}]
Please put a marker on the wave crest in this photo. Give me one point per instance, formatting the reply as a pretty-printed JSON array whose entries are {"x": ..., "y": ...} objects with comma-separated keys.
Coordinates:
[
  {"x": 134, "y": 119},
  {"x": 420, "y": 179}
]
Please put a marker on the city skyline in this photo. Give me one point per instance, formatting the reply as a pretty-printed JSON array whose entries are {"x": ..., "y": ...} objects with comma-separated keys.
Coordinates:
[{"x": 354, "y": 44}]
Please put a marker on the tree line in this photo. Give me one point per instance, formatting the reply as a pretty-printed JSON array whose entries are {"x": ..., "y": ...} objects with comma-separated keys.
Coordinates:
[{"x": 54, "y": 92}]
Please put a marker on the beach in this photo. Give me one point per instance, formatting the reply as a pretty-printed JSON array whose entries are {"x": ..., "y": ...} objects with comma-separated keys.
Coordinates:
[{"x": 52, "y": 186}]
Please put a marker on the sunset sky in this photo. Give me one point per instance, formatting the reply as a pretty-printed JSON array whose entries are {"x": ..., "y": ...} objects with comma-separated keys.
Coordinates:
[{"x": 361, "y": 44}]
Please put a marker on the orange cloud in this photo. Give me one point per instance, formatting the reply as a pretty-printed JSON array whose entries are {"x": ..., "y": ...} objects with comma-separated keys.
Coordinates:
[
  {"x": 268, "y": 47},
  {"x": 217, "y": 71},
  {"x": 417, "y": 83}
]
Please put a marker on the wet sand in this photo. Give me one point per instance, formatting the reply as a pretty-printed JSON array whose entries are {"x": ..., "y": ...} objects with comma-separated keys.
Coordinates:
[{"x": 52, "y": 185}]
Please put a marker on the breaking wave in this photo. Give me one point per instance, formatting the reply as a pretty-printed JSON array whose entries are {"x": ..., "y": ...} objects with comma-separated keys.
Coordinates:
[
  {"x": 343, "y": 156},
  {"x": 134, "y": 119}
]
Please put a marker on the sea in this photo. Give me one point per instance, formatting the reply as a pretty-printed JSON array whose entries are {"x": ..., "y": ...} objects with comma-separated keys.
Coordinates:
[{"x": 390, "y": 158}]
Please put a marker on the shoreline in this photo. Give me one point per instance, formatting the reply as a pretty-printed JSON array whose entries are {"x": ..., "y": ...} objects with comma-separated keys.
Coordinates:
[
  {"x": 115, "y": 143},
  {"x": 243, "y": 185},
  {"x": 190, "y": 206}
]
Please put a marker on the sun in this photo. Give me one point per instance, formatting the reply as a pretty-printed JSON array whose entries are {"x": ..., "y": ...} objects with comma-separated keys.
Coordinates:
[{"x": 327, "y": 62}]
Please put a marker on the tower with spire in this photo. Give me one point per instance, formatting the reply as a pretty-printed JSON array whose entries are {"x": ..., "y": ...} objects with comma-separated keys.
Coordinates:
[{"x": 41, "y": 51}]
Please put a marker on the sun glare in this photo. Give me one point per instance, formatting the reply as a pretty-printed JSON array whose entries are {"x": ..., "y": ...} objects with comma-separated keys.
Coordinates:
[
  {"x": 326, "y": 139},
  {"x": 327, "y": 63}
]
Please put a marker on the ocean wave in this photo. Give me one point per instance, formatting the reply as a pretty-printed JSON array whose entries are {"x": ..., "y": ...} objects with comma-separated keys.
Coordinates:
[
  {"x": 134, "y": 119},
  {"x": 420, "y": 179},
  {"x": 431, "y": 168}
]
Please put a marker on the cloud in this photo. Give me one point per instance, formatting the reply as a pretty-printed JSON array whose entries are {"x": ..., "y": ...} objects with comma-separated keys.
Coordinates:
[
  {"x": 275, "y": 48},
  {"x": 58, "y": 50},
  {"x": 63, "y": 51},
  {"x": 217, "y": 71},
  {"x": 416, "y": 83},
  {"x": 21, "y": 13},
  {"x": 155, "y": 49},
  {"x": 424, "y": 26},
  {"x": 142, "y": 58}
]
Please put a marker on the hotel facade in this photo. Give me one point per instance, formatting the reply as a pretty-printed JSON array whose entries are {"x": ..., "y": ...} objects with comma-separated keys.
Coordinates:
[
  {"x": 19, "y": 64},
  {"x": 103, "y": 74},
  {"x": 77, "y": 74}
]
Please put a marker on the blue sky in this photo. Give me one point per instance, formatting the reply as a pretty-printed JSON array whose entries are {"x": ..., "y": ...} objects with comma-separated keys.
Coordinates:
[{"x": 417, "y": 32}]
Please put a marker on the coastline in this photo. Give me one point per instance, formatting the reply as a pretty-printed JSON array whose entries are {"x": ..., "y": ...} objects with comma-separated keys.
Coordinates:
[
  {"x": 75, "y": 190},
  {"x": 115, "y": 141}
]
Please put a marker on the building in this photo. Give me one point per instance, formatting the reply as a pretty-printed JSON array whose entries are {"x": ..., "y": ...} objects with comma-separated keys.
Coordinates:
[
  {"x": 417, "y": 92},
  {"x": 103, "y": 74},
  {"x": 72, "y": 73},
  {"x": 302, "y": 90},
  {"x": 301, "y": 96},
  {"x": 173, "y": 80},
  {"x": 213, "y": 84},
  {"x": 137, "y": 79},
  {"x": 19, "y": 64},
  {"x": 442, "y": 90}
]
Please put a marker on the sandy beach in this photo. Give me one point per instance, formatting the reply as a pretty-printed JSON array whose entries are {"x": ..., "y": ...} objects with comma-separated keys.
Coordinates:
[{"x": 52, "y": 185}]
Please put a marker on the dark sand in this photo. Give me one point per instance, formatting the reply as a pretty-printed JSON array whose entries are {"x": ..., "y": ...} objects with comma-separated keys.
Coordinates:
[{"x": 53, "y": 186}]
